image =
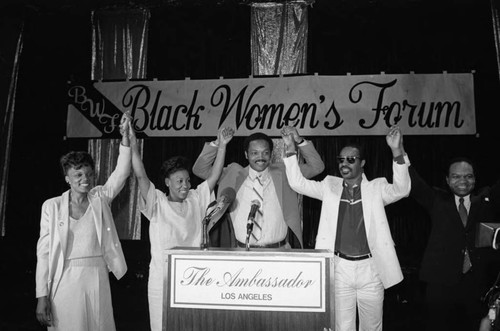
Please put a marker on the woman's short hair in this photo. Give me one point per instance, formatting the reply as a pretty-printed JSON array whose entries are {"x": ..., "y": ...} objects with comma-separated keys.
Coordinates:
[
  {"x": 174, "y": 164},
  {"x": 258, "y": 136},
  {"x": 76, "y": 160}
]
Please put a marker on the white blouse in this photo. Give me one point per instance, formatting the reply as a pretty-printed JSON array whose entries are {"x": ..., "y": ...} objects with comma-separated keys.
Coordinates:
[{"x": 174, "y": 223}]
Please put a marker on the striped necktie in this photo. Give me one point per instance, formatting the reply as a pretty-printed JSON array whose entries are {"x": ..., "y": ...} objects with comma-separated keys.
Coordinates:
[{"x": 258, "y": 194}]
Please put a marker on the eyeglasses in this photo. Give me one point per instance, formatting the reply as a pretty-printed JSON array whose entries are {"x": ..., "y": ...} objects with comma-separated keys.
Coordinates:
[{"x": 350, "y": 159}]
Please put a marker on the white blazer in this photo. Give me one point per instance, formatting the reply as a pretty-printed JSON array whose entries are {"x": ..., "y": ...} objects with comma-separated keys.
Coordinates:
[
  {"x": 375, "y": 195},
  {"x": 54, "y": 227}
]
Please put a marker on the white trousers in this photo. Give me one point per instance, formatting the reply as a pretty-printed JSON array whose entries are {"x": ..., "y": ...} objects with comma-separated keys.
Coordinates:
[
  {"x": 357, "y": 284},
  {"x": 155, "y": 299},
  {"x": 83, "y": 298}
]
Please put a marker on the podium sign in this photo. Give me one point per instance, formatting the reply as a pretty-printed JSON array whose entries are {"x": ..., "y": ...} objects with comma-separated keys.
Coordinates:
[{"x": 266, "y": 283}]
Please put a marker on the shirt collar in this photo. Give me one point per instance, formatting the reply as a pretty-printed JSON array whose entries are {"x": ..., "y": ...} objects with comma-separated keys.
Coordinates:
[
  {"x": 254, "y": 174},
  {"x": 358, "y": 183},
  {"x": 466, "y": 199}
]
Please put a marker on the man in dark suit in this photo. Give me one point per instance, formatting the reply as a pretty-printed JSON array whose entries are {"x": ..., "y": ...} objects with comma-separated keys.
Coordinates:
[
  {"x": 456, "y": 273},
  {"x": 279, "y": 209}
]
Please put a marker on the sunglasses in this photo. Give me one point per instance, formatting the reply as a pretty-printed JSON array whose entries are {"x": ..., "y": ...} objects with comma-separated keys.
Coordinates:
[{"x": 350, "y": 159}]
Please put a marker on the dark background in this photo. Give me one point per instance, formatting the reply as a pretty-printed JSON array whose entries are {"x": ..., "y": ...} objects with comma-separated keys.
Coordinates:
[{"x": 208, "y": 39}]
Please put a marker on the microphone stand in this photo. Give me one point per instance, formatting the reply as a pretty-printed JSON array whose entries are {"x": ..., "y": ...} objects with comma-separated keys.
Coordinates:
[
  {"x": 249, "y": 232},
  {"x": 204, "y": 234}
]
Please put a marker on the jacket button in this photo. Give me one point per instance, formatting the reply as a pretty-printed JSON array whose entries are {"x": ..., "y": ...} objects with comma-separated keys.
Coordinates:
[
  {"x": 109, "y": 229},
  {"x": 61, "y": 223}
]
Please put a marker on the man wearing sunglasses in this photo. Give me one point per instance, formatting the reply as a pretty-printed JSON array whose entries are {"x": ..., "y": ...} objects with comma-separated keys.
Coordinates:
[{"x": 354, "y": 225}]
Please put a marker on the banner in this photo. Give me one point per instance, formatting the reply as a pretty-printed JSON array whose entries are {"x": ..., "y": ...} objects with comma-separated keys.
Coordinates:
[
  {"x": 274, "y": 283},
  {"x": 421, "y": 104}
]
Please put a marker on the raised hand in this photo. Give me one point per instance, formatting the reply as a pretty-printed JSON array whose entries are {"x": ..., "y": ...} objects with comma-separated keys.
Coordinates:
[
  {"x": 394, "y": 140},
  {"x": 125, "y": 124},
  {"x": 291, "y": 130},
  {"x": 225, "y": 135},
  {"x": 288, "y": 139}
]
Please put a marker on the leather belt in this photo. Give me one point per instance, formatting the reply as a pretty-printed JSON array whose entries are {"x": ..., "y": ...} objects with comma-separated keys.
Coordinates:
[
  {"x": 273, "y": 245},
  {"x": 353, "y": 258}
]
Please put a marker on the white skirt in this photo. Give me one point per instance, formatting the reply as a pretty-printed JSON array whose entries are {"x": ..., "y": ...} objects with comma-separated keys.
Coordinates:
[{"x": 83, "y": 298}]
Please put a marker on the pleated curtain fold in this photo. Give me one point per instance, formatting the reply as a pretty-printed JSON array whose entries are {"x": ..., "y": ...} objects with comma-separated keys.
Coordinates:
[
  {"x": 278, "y": 44},
  {"x": 119, "y": 51}
]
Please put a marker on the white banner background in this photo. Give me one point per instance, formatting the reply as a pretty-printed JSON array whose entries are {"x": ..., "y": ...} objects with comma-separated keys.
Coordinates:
[{"x": 317, "y": 105}]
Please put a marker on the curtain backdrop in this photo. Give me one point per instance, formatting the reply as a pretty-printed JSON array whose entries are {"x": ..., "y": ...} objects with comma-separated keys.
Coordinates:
[
  {"x": 279, "y": 46},
  {"x": 495, "y": 4},
  {"x": 278, "y": 41},
  {"x": 11, "y": 52},
  {"x": 119, "y": 51},
  {"x": 279, "y": 38}
]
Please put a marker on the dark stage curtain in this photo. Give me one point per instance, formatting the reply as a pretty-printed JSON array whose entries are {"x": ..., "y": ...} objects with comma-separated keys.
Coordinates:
[{"x": 11, "y": 36}]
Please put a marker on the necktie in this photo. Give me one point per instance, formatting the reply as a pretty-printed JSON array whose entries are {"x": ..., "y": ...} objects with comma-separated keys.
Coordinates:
[
  {"x": 463, "y": 215},
  {"x": 258, "y": 194}
]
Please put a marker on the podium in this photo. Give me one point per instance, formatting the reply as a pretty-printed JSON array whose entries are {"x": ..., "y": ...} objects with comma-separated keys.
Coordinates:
[{"x": 256, "y": 290}]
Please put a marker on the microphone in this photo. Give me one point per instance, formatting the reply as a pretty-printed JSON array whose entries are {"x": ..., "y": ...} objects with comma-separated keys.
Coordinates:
[
  {"x": 251, "y": 216},
  {"x": 220, "y": 205},
  {"x": 214, "y": 212},
  {"x": 210, "y": 207}
]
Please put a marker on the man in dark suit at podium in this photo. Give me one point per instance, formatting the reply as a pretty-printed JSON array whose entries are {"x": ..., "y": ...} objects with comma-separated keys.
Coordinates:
[{"x": 456, "y": 273}]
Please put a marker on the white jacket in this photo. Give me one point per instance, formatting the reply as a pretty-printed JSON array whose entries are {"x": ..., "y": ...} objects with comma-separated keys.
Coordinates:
[
  {"x": 375, "y": 194},
  {"x": 54, "y": 227}
]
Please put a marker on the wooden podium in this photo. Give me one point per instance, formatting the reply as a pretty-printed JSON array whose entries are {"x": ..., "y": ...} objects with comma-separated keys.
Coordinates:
[{"x": 256, "y": 290}]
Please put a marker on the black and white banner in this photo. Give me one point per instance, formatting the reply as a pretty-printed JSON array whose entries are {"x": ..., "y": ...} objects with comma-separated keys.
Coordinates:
[{"x": 421, "y": 104}]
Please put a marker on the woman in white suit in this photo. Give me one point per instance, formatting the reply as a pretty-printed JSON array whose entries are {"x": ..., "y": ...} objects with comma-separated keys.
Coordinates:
[{"x": 79, "y": 245}]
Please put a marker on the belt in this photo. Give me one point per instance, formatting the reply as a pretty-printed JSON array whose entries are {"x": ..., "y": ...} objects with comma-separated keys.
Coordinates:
[
  {"x": 353, "y": 258},
  {"x": 273, "y": 245}
]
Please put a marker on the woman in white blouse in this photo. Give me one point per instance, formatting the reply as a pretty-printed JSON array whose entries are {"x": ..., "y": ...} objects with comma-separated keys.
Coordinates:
[
  {"x": 176, "y": 217},
  {"x": 79, "y": 245}
]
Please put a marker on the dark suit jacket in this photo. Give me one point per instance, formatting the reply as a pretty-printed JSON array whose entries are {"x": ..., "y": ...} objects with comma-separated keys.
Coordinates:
[
  {"x": 233, "y": 176},
  {"x": 443, "y": 257}
]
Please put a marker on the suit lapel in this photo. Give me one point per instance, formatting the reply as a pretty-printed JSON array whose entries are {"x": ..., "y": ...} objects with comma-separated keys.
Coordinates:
[
  {"x": 63, "y": 221},
  {"x": 96, "y": 206},
  {"x": 240, "y": 178},
  {"x": 277, "y": 178},
  {"x": 366, "y": 194},
  {"x": 474, "y": 204}
]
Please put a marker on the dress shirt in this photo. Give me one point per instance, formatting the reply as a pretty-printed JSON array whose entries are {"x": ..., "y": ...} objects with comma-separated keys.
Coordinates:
[
  {"x": 466, "y": 202},
  {"x": 274, "y": 228}
]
